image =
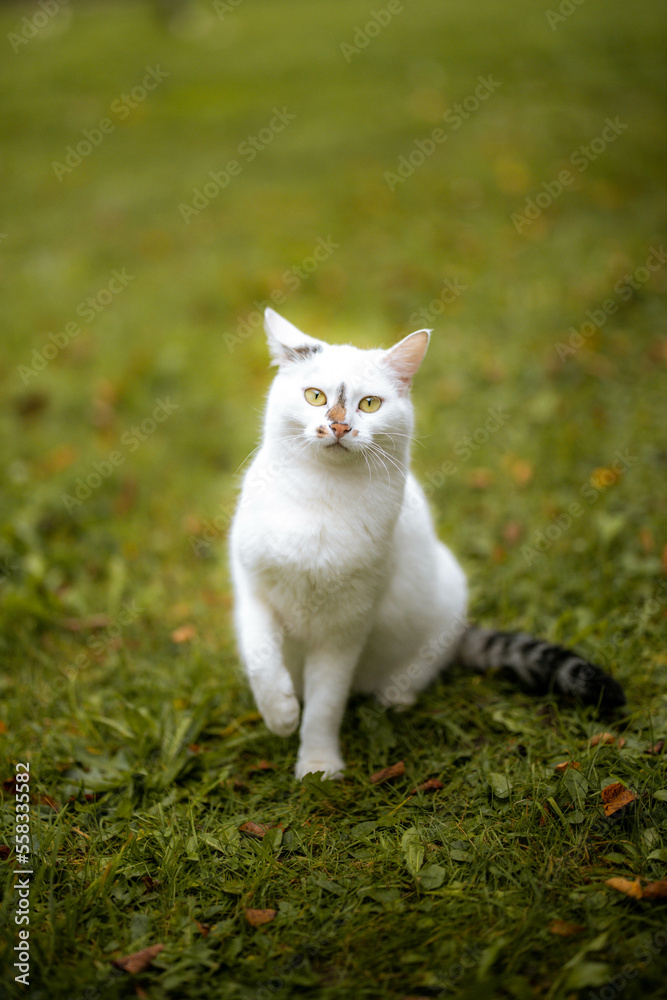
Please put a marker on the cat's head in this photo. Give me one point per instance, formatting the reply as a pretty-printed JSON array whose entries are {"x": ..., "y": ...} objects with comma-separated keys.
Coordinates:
[{"x": 337, "y": 402}]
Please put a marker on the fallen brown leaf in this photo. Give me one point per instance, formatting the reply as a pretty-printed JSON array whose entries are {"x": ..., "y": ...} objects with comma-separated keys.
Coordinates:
[
  {"x": 204, "y": 929},
  {"x": 430, "y": 785},
  {"x": 3, "y": 727},
  {"x": 258, "y": 917},
  {"x": 655, "y": 890},
  {"x": 615, "y": 807},
  {"x": 657, "y": 748},
  {"x": 512, "y": 532},
  {"x": 262, "y": 765},
  {"x": 150, "y": 883},
  {"x": 627, "y": 887},
  {"x": 254, "y": 829},
  {"x": 4, "y": 852},
  {"x": 388, "y": 773},
  {"x": 139, "y": 960},
  {"x": 184, "y": 633},
  {"x": 87, "y": 624},
  {"x": 608, "y": 738},
  {"x": 522, "y": 471},
  {"x": 565, "y": 929},
  {"x": 610, "y": 792},
  {"x": 567, "y": 763},
  {"x": 479, "y": 479}
]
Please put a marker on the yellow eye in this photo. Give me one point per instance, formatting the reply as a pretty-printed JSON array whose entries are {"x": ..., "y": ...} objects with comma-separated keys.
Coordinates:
[
  {"x": 315, "y": 397},
  {"x": 369, "y": 404}
]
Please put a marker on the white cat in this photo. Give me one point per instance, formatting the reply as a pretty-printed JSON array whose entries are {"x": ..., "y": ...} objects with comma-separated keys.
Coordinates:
[{"x": 340, "y": 581}]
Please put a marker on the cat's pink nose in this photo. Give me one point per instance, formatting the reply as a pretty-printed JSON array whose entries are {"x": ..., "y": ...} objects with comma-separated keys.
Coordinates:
[{"x": 339, "y": 429}]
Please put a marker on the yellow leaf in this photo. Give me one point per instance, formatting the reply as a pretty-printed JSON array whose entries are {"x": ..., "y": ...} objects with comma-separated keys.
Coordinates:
[{"x": 624, "y": 885}]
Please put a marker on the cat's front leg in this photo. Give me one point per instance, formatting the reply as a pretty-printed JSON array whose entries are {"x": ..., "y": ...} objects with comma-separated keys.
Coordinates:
[
  {"x": 327, "y": 681},
  {"x": 261, "y": 641}
]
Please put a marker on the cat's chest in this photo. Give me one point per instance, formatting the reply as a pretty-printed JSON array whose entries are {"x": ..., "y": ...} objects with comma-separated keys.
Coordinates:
[{"x": 310, "y": 538}]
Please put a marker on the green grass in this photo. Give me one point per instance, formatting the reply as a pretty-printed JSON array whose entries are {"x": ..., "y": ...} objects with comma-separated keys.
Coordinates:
[{"x": 145, "y": 752}]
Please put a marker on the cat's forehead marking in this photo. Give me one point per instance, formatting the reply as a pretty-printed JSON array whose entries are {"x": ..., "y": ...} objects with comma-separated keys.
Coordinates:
[{"x": 338, "y": 411}]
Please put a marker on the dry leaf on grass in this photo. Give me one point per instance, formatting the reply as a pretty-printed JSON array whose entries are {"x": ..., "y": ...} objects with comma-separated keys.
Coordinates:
[
  {"x": 256, "y": 918},
  {"x": 4, "y": 852},
  {"x": 626, "y": 886},
  {"x": 262, "y": 765},
  {"x": 204, "y": 929},
  {"x": 88, "y": 624},
  {"x": 184, "y": 633},
  {"x": 565, "y": 929},
  {"x": 254, "y": 829},
  {"x": 657, "y": 748},
  {"x": 388, "y": 773},
  {"x": 567, "y": 763},
  {"x": 607, "y": 738},
  {"x": 139, "y": 960},
  {"x": 430, "y": 785},
  {"x": 617, "y": 799},
  {"x": 634, "y": 889},
  {"x": 655, "y": 890}
]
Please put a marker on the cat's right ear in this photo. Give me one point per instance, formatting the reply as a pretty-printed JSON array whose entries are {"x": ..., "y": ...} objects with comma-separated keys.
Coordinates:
[
  {"x": 405, "y": 357},
  {"x": 287, "y": 343}
]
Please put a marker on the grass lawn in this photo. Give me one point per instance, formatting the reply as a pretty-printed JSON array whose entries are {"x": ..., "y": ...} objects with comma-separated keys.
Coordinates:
[{"x": 494, "y": 171}]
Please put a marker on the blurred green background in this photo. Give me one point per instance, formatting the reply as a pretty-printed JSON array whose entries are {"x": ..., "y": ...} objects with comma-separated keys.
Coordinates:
[{"x": 125, "y": 420}]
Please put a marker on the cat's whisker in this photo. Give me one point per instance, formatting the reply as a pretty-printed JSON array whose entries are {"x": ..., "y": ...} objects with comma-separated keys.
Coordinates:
[
  {"x": 377, "y": 457},
  {"x": 247, "y": 458},
  {"x": 391, "y": 458}
]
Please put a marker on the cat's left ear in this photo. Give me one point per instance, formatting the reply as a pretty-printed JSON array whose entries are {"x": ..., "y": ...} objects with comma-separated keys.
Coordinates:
[
  {"x": 287, "y": 343},
  {"x": 405, "y": 357}
]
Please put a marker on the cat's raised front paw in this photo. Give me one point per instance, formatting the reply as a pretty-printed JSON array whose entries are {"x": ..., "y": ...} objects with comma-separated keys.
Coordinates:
[
  {"x": 332, "y": 766},
  {"x": 281, "y": 714}
]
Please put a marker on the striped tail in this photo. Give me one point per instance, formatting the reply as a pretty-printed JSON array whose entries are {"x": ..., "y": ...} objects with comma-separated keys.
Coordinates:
[{"x": 540, "y": 666}]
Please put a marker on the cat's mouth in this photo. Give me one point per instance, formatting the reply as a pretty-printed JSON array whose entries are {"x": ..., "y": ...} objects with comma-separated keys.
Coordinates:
[{"x": 337, "y": 444}]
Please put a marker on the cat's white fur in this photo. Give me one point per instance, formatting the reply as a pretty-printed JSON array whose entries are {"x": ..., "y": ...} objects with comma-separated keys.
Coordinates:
[{"x": 340, "y": 581}]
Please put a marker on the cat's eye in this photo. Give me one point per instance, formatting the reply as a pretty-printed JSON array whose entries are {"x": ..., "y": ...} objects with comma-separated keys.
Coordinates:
[
  {"x": 315, "y": 397},
  {"x": 369, "y": 404}
]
